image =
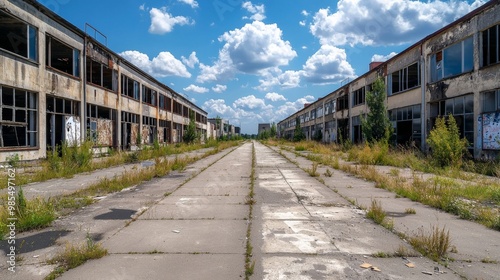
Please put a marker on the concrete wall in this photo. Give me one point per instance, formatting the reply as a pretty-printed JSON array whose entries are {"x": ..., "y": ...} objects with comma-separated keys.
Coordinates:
[{"x": 21, "y": 73}]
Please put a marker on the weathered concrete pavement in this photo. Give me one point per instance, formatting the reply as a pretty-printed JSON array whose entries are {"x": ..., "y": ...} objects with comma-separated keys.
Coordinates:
[
  {"x": 301, "y": 228},
  {"x": 197, "y": 232}
]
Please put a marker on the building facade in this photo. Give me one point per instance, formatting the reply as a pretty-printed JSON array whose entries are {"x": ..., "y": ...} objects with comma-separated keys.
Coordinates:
[
  {"x": 455, "y": 70},
  {"x": 58, "y": 84}
]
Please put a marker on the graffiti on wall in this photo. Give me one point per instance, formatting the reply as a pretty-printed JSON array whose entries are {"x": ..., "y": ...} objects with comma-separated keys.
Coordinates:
[
  {"x": 72, "y": 134},
  {"x": 491, "y": 131}
]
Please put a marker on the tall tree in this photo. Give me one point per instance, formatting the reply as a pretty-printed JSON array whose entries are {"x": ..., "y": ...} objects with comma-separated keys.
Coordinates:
[
  {"x": 190, "y": 136},
  {"x": 273, "y": 131},
  {"x": 298, "y": 134},
  {"x": 376, "y": 125}
]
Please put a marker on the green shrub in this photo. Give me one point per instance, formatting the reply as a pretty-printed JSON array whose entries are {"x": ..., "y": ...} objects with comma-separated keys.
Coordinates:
[{"x": 446, "y": 146}]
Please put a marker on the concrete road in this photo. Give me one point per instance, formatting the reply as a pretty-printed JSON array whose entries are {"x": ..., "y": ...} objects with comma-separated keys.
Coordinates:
[{"x": 300, "y": 227}]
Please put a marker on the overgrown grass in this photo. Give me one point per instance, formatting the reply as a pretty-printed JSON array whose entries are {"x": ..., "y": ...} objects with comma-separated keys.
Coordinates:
[
  {"x": 433, "y": 244},
  {"x": 375, "y": 212},
  {"x": 466, "y": 195},
  {"x": 66, "y": 161},
  {"x": 74, "y": 256},
  {"x": 40, "y": 213},
  {"x": 31, "y": 214}
]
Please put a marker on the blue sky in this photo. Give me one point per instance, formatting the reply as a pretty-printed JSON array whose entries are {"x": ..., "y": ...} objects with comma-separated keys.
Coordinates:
[{"x": 259, "y": 61}]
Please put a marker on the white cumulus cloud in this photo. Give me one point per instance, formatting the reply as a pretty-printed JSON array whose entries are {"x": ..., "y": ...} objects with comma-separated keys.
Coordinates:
[
  {"x": 328, "y": 65},
  {"x": 219, "y": 88},
  {"x": 162, "y": 22},
  {"x": 197, "y": 89},
  {"x": 253, "y": 48},
  {"x": 191, "y": 61},
  {"x": 191, "y": 3},
  {"x": 251, "y": 102},
  {"x": 257, "y": 11},
  {"x": 385, "y": 22},
  {"x": 273, "y": 96},
  {"x": 382, "y": 58},
  {"x": 165, "y": 64}
]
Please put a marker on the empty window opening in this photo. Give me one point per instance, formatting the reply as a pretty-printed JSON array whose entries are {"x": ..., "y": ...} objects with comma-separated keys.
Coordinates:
[
  {"x": 130, "y": 87},
  {"x": 101, "y": 75},
  {"x": 404, "y": 79},
  {"x": 18, "y": 37},
  {"x": 491, "y": 45},
  {"x": 149, "y": 95},
  {"x": 62, "y": 57},
  {"x": 358, "y": 96}
]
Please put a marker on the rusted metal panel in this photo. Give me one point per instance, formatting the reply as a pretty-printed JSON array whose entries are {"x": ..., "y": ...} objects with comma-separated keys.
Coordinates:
[
  {"x": 145, "y": 134},
  {"x": 134, "y": 134},
  {"x": 104, "y": 132}
]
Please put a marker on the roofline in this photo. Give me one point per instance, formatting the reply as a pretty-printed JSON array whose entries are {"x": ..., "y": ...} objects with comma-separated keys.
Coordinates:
[{"x": 466, "y": 17}]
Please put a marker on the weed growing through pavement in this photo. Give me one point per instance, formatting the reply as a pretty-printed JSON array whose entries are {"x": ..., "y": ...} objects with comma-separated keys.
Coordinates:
[
  {"x": 74, "y": 256},
  {"x": 249, "y": 264},
  {"x": 433, "y": 244},
  {"x": 313, "y": 172},
  {"x": 375, "y": 212},
  {"x": 411, "y": 211},
  {"x": 328, "y": 173}
]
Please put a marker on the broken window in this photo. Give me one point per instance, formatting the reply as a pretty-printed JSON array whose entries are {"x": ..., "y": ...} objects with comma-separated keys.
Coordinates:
[
  {"x": 404, "y": 79},
  {"x": 101, "y": 75},
  {"x": 491, "y": 45},
  {"x": 177, "y": 108},
  {"x": 62, "y": 57},
  {"x": 491, "y": 101},
  {"x": 101, "y": 125},
  {"x": 130, "y": 87},
  {"x": 58, "y": 129},
  {"x": 148, "y": 95},
  {"x": 18, "y": 37},
  {"x": 453, "y": 60},
  {"x": 358, "y": 97},
  {"x": 18, "y": 122},
  {"x": 462, "y": 109},
  {"x": 149, "y": 125},
  {"x": 342, "y": 103},
  {"x": 164, "y": 103}
]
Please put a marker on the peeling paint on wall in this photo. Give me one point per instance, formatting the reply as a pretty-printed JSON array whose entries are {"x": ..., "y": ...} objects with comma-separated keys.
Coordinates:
[
  {"x": 134, "y": 133},
  {"x": 145, "y": 134},
  {"x": 104, "y": 132}
]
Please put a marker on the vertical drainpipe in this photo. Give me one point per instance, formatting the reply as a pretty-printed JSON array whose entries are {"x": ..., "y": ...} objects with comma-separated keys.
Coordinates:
[
  {"x": 423, "y": 117},
  {"x": 84, "y": 81},
  {"x": 323, "y": 127}
]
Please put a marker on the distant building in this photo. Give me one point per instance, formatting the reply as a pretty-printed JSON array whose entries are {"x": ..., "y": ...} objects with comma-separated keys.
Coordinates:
[{"x": 264, "y": 127}]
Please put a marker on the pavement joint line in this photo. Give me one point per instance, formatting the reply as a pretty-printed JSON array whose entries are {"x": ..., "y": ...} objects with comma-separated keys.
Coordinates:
[
  {"x": 302, "y": 203},
  {"x": 128, "y": 223}
]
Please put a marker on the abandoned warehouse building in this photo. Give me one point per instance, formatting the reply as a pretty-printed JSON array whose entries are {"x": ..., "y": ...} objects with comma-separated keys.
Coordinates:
[
  {"x": 455, "y": 70},
  {"x": 58, "y": 84}
]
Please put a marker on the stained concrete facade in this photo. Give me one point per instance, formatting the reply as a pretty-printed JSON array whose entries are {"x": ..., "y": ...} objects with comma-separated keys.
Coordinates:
[
  {"x": 58, "y": 84},
  {"x": 455, "y": 70}
]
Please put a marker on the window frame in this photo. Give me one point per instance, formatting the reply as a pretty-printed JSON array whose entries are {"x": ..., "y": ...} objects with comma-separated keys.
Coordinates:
[
  {"x": 486, "y": 59},
  {"x": 438, "y": 62},
  {"x": 32, "y": 48},
  {"x": 31, "y": 118},
  {"x": 75, "y": 63},
  {"x": 403, "y": 79}
]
